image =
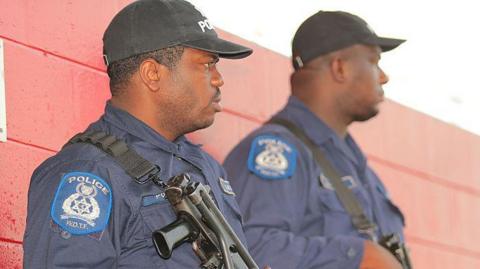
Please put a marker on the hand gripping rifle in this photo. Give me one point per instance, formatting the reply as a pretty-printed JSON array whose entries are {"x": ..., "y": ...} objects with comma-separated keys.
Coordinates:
[{"x": 201, "y": 223}]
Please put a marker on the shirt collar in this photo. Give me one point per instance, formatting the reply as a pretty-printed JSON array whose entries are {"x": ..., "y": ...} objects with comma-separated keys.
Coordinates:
[
  {"x": 128, "y": 123},
  {"x": 318, "y": 131},
  {"x": 296, "y": 111}
]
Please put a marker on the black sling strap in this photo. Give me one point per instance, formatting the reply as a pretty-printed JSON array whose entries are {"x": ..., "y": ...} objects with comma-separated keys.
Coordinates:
[
  {"x": 348, "y": 199},
  {"x": 134, "y": 165}
]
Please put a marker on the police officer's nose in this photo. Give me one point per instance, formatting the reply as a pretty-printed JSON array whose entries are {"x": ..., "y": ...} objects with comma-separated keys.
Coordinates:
[
  {"x": 383, "y": 77},
  {"x": 217, "y": 79}
]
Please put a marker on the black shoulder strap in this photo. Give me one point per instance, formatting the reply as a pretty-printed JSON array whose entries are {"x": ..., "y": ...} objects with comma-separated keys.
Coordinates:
[
  {"x": 134, "y": 165},
  {"x": 348, "y": 199}
]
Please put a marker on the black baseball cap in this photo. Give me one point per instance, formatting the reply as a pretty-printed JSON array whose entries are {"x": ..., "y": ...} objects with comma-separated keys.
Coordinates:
[
  {"x": 149, "y": 25},
  {"x": 328, "y": 31}
]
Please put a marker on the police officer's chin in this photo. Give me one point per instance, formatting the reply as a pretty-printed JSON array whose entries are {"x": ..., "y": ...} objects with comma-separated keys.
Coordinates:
[
  {"x": 366, "y": 115},
  {"x": 202, "y": 123},
  {"x": 208, "y": 122},
  {"x": 209, "y": 114}
]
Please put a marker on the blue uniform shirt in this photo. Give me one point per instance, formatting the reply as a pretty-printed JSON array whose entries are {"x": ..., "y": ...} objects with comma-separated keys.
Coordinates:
[
  {"x": 292, "y": 216},
  {"x": 84, "y": 211}
]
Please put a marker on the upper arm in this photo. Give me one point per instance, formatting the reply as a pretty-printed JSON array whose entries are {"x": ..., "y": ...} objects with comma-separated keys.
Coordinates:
[
  {"x": 69, "y": 217},
  {"x": 270, "y": 181}
]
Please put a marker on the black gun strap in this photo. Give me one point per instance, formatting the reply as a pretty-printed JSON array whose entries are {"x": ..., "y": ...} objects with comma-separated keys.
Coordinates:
[
  {"x": 134, "y": 165},
  {"x": 346, "y": 196}
]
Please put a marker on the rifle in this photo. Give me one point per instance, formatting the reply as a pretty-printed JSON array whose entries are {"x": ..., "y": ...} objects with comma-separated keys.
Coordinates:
[
  {"x": 201, "y": 223},
  {"x": 393, "y": 244},
  {"x": 198, "y": 219}
]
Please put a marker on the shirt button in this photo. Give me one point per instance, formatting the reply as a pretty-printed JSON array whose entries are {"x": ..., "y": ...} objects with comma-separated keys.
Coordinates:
[{"x": 351, "y": 253}]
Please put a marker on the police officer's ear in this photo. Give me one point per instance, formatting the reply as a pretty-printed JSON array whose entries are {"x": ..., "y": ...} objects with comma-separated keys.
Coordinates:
[
  {"x": 151, "y": 73},
  {"x": 338, "y": 69}
]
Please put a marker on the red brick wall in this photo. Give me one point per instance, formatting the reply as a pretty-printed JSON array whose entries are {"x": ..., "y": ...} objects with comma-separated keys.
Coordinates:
[{"x": 56, "y": 84}]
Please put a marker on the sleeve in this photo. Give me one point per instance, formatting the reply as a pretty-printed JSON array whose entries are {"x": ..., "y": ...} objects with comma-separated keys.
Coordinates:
[
  {"x": 274, "y": 209},
  {"x": 69, "y": 222}
]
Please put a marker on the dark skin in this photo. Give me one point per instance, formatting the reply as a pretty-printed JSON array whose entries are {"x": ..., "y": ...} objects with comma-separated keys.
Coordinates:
[
  {"x": 175, "y": 101},
  {"x": 340, "y": 88},
  {"x": 343, "y": 86}
]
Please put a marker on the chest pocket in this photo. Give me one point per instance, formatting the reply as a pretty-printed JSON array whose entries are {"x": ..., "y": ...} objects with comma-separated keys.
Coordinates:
[
  {"x": 156, "y": 216},
  {"x": 334, "y": 215},
  {"x": 159, "y": 215},
  {"x": 153, "y": 217}
]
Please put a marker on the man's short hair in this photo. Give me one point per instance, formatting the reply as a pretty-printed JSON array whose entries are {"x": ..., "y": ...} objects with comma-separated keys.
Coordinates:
[{"x": 121, "y": 71}]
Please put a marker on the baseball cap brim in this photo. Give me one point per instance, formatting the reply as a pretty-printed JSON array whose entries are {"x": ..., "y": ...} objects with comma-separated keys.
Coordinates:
[
  {"x": 223, "y": 48},
  {"x": 385, "y": 43}
]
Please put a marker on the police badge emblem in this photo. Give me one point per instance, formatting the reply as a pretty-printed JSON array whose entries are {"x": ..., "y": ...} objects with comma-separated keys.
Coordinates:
[
  {"x": 272, "y": 158},
  {"x": 226, "y": 187},
  {"x": 82, "y": 203}
]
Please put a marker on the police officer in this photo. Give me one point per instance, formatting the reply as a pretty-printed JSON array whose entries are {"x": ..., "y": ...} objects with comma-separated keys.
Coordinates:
[
  {"x": 292, "y": 215},
  {"x": 84, "y": 211}
]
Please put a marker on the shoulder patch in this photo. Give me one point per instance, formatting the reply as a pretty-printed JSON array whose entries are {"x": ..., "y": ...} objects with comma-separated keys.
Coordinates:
[
  {"x": 272, "y": 157},
  {"x": 82, "y": 203}
]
